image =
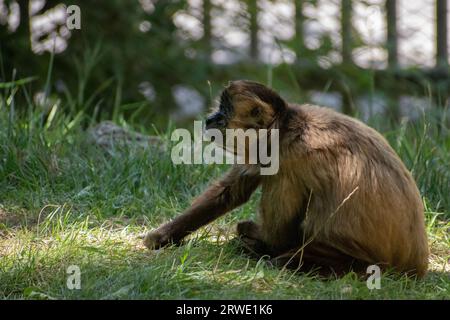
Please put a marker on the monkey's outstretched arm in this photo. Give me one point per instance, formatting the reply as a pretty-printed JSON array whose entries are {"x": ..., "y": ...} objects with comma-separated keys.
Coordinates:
[{"x": 222, "y": 196}]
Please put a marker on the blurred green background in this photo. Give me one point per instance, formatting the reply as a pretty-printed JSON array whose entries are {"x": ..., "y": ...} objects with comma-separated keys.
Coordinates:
[{"x": 154, "y": 60}]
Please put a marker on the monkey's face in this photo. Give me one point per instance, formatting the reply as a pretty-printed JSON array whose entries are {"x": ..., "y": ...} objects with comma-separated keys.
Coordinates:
[{"x": 245, "y": 105}]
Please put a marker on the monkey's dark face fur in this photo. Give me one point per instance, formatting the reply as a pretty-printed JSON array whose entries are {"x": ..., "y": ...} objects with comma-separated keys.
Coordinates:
[{"x": 246, "y": 105}]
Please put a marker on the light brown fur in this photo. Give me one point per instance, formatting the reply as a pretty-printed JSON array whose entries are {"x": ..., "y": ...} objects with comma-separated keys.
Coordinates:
[{"x": 342, "y": 199}]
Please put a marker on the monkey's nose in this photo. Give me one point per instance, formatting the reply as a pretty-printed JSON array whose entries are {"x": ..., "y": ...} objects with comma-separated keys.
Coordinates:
[
  {"x": 215, "y": 122},
  {"x": 209, "y": 121}
]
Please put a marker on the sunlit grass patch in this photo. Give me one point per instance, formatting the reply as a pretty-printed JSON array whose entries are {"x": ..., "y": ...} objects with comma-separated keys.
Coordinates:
[{"x": 115, "y": 264}]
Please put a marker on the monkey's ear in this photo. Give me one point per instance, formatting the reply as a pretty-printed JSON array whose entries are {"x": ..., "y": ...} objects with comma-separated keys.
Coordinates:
[
  {"x": 278, "y": 103},
  {"x": 269, "y": 96}
]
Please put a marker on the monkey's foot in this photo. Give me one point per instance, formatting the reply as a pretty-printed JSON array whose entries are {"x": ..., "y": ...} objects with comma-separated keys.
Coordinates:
[
  {"x": 250, "y": 238},
  {"x": 286, "y": 261},
  {"x": 249, "y": 229},
  {"x": 251, "y": 247}
]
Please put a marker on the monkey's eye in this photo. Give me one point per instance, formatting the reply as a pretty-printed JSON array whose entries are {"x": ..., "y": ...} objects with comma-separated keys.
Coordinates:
[{"x": 255, "y": 112}]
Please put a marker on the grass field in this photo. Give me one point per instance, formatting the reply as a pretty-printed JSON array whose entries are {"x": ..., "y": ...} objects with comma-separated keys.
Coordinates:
[{"x": 65, "y": 202}]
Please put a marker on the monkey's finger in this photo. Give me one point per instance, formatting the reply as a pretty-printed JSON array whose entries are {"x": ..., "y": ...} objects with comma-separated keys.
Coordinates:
[{"x": 154, "y": 240}]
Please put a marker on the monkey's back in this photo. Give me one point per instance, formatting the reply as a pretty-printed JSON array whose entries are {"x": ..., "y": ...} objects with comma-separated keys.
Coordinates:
[{"x": 362, "y": 200}]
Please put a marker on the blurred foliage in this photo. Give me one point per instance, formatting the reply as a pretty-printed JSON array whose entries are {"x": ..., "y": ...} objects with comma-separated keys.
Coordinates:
[
  {"x": 111, "y": 53},
  {"x": 123, "y": 45}
]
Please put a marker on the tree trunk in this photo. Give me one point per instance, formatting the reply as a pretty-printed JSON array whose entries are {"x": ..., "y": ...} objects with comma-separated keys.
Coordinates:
[
  {"x": 393, "y": 99},
  {"x": 346, "y": 31},
  {"x": 207, "y": 27},
  {"x": 441, "y": 34},
  {"x": 346, "y": 51},
  {"x": 253, "y": 11},
  {"x": 11, "y": 41},
  {"x": 391, "y": 21},
  {"x": 299, "y": 31}
]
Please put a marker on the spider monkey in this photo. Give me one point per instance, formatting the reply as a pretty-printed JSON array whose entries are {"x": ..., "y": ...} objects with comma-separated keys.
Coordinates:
[{"x": 342, "y": 199}]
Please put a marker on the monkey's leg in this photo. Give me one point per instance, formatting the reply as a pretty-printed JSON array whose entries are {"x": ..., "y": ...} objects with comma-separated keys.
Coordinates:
[
  {"x": 231, "y": 191},
  {"x": 319, "y": 256}
]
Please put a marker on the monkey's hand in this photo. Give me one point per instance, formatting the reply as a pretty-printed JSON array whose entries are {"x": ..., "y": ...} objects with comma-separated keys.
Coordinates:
[{"x": 156, "y": 239}]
